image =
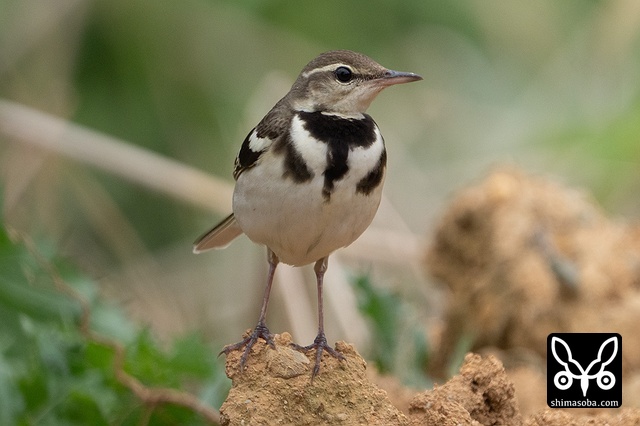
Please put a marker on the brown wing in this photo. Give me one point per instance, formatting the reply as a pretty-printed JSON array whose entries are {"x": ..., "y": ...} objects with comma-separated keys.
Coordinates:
[
  {"x": 261, "y": 138},
  {"x": 258, "y": 141}
]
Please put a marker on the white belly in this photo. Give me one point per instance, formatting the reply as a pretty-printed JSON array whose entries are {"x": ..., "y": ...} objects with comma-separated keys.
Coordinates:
[{"x": 294, "y": 219}]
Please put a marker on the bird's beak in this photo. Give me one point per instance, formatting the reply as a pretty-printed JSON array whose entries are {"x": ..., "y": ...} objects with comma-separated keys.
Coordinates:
[
  {"x": 391, "y": 77},
  {"x": 361, "y": 100}
]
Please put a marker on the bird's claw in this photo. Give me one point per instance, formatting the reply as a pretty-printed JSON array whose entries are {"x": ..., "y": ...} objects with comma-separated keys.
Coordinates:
[
  {"x": 261, "y": 331},
  {"x": 320, "y": 345}
]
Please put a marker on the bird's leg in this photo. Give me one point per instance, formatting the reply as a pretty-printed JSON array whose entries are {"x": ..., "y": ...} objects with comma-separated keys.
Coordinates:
[
  {"x": 320, "y": 342},
  {"x": 261, "y": 329}
]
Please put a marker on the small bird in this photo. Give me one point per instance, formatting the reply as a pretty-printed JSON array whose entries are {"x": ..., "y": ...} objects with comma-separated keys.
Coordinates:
[{"x": 309, "y": 176}]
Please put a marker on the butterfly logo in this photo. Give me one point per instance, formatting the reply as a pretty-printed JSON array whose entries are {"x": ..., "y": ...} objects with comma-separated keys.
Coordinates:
[{"x": 564, "y": 379}]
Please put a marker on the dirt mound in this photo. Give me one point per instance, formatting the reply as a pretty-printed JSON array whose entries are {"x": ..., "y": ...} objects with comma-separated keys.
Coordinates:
[
  {"x": 524, "y": 257},
  {"x": 480, "y": 395},
  {"x": 276, "y": 388},
  {"x": 626, "y": 417}
]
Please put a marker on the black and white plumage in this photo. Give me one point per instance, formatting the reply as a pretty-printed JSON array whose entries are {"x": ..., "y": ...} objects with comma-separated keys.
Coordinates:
[{"x": 309, "y": 176}]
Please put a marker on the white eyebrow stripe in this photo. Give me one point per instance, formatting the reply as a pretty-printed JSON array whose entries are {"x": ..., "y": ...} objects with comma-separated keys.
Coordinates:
[{"x": 330, "y": 67}]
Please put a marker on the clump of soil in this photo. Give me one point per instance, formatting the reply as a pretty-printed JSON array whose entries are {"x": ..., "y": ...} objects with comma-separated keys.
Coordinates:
[
  {"x": 276, "y": 388},
  {"x": 522, "y": 257},
  {"x": 625, "y": 417},
  {"x": 480, "y": 395},
  {"x": 548, "y": 417}
]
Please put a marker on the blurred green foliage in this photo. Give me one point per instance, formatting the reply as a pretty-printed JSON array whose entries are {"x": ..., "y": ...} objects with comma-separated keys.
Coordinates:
[
  {"x": 399, "y": 345},
  {"x": 52, "y": 373}
]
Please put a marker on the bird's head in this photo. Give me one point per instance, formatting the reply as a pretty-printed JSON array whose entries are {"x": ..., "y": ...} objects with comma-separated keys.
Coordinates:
[{"x": 343, "y": 82}]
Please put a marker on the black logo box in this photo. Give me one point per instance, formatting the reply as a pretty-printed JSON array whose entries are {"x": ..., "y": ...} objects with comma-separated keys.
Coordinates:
[{"x": 582, "y": 363}]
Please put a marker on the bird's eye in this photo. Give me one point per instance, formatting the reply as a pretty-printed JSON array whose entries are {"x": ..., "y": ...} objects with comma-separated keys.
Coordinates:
[{"x": 343, "y": 74}]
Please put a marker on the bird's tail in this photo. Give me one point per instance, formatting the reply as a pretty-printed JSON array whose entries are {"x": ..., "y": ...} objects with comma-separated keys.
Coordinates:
[{"x": 219, "y": 237}]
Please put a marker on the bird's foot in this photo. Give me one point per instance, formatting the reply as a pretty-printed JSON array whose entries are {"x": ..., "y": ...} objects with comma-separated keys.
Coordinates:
[
  {"x": 320, "y": 345},
  {"x": 261, "y": 331}
]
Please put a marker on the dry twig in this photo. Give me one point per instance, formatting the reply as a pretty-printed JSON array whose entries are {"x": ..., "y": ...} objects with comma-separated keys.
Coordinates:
[{"x": 115, "y": 156}]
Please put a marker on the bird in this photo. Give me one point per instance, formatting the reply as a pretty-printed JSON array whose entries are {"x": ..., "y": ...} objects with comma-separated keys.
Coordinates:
[{"x": 309, "y": 177}]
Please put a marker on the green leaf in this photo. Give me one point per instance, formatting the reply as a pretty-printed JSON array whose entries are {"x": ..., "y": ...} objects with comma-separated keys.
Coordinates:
[
  {"x": 40, "y": 303},
  {"x": 11, "y": 401},
  {"x": 382, "y": 308},
  {"x": 399, "y": 343},
  {"x": 191, "y": 356}
]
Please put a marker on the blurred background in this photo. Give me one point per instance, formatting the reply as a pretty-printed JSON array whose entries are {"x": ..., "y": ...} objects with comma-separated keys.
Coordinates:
[{"x": 120, "y": 121}]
